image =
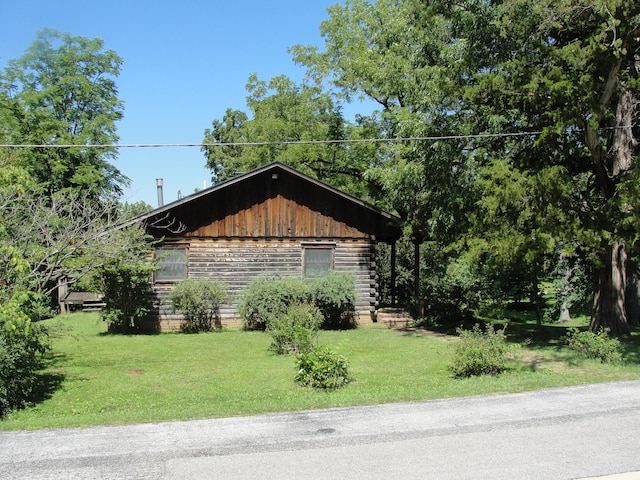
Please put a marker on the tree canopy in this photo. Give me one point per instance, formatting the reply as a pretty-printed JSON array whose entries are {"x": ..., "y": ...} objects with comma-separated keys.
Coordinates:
[
  {"x": 60, "y": 215},
  {"x": 512, "y": 127},
  {"x": 62, "y": 91},
  {"x": 297, "y": 124}
]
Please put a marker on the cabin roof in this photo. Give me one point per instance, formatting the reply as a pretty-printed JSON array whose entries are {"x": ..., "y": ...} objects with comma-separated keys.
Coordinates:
[{"x": 273, "y": 167}]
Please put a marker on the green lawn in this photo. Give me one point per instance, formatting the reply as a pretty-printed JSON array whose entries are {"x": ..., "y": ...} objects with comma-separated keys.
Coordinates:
[{"x": 96, "y": 379}]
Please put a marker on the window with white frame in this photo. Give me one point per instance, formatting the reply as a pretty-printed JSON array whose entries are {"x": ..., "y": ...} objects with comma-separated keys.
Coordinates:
[
  {"x": 172, "y": 264},
  {"x": 317, "y": 260}
]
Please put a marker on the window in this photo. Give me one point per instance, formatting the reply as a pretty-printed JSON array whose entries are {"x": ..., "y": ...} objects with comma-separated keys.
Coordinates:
[
  {"x": 317, "y": 260},
  {"x": 172, "y": 264}
]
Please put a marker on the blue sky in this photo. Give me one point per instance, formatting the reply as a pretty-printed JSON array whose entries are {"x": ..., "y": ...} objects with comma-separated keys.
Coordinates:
[{"x": 184, "y": 64}]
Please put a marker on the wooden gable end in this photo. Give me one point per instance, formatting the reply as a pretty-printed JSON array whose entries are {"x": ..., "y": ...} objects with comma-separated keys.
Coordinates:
[{"x": 275, "y": 203}]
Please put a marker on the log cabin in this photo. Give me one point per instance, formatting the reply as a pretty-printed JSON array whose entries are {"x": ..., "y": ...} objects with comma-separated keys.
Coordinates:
[{"x": 271, "y": 221}]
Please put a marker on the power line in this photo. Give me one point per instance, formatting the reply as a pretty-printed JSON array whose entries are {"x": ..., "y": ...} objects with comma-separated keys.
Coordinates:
[{"x": 260, "y": 144}]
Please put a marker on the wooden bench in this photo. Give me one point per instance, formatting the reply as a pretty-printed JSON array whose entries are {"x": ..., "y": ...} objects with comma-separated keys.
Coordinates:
[{"x": 87, "y": 301}]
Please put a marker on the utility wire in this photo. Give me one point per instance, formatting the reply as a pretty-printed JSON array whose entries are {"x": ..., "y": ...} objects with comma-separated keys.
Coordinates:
[{"x": 260, "y": 144}]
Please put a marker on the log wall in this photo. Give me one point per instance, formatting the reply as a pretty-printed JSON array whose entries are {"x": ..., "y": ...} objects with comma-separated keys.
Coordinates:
[{"x": 238, "y": 261}]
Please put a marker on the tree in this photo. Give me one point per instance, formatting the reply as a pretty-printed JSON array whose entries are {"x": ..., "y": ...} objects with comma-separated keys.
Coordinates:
[
  {"x": 123, "y": 278},
  {"x": 46, "y": 241},
  {"x": 63, "y": 92},
  {"x": 406, "y": 60},
  {"x": 561, "y": 77},
  {"x": 290, "y": 123},
  {"x": 570, "y": 70}
]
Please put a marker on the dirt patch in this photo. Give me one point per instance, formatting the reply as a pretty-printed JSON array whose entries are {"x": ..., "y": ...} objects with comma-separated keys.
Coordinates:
[{"x": 538, "y": 362}]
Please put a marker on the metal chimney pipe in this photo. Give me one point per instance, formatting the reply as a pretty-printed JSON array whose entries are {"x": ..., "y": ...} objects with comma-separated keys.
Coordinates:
[{"x": 159, "y": 183}]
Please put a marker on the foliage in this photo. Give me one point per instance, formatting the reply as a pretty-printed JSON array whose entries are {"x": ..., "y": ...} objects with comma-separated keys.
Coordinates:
[
  {"x": 599, "y": 345},
  {"x": 59, "y": 205},
  {"x": 479, "y": 353},
  {"x": 64, "y": 238},
  {"x": 335, "y": 296},
  {"x": 75, "y": 233},
  {"x": 124, "y": 279},
  {"x": 535, "y": 101},
  {"x": 296, "y": 331},
  {"x": 267, "y": 298},
  {"x": 452, "y": 290},
  {"x": 62, "y": 91},
  {"x": 22, "y": 344},
  {"x": 281, "y": 114},
  {"x": 322, "y": 368},
  {"x": 577, "y": 86},
  {"x": 199, "y": 301},
  {"x": 370, "y": 52},
  {"x": 572, "y": 287},
  {"x": 127, "y": 294}
]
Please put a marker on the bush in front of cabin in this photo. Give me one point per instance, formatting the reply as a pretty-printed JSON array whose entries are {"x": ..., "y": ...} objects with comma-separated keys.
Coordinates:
[
  {"x": 335, "y": 296},
  {"x": 268, "y": 298},
  {"x": 199, "y": 300},
  {"x": 22, "y": 344},
  {"x": 295, "y": 331},
  {"x": 127, "y": 295}
]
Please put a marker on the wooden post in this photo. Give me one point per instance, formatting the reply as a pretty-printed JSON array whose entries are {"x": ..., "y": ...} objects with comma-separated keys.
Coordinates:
[
  {"x": 416, "y": 274},
  {"x": 393, "y": 274}
]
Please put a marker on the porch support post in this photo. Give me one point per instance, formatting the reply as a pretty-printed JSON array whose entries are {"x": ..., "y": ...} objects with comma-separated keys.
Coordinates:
[
  {"x": 393, "y": 273},
  {"x": 416, "y": 275}
]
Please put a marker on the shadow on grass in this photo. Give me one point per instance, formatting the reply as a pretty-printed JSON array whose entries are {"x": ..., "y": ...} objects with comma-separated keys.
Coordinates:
[
  {"x": 150, "y": 327},
  {"x": 524, "y": 330},
  {"x": 517, "y": 330},
  {"x": 630, "y": 347},
  {"x": 47, "y": 382}
]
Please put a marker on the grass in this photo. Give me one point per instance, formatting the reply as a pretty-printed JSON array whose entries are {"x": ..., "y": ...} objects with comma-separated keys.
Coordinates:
[{"x": 93, "y": 378}]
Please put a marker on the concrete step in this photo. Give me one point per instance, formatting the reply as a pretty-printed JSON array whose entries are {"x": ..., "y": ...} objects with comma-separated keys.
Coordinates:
[{"x": 393, "y": 317}]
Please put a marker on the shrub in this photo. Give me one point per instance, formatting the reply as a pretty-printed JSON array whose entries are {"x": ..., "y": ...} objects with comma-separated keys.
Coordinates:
[
  {"x": 335, "y": 295},
  {"x": 127, "y": 295},
  {"x": 594, "y": 345},
  {"x": 22, "y": 344},
  {"x": 199, "y": 301},
  {"x": 296, "y": 331},
  {"x": 266, "y": 298},
  {"x": 322, "y": 368},
  {"x": 479, "y": 353}
]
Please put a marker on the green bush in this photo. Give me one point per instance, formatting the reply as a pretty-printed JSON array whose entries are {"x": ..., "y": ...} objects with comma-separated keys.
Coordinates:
[
  {"x": 335, "y": 296},
  {"x": 479, "y": 353},
  {"x": 322, "y": 368},
  {"x": 199, "y": 301},
  {"x": 127, "y": 295},
  {"x": 268, "y": 298},
  {"x": 296, "y": 331},
  {"x": 594, "y": 345},
  {"x": 22, "y": 345}
]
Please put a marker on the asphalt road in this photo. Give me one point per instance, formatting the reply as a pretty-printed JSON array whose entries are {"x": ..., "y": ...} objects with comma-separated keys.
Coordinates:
[{"x": 568, "y": 433}]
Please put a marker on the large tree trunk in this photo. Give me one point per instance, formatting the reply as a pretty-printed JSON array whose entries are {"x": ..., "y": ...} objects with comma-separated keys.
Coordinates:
[
  {"x": 609, "y": 312},
  {"x": 632, "y": 294}
]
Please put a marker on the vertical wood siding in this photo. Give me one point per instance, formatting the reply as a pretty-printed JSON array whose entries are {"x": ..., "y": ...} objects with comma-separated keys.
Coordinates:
[{"x": 286, "y": 207}]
